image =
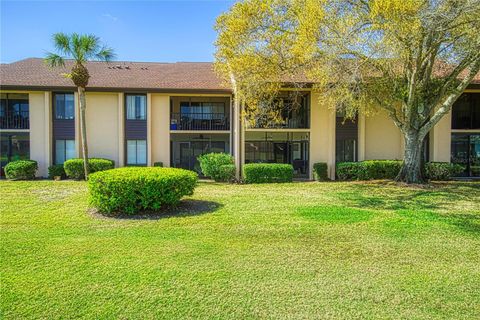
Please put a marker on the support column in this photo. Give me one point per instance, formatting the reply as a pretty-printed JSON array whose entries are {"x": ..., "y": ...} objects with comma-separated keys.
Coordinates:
[
  {"x": 237, "y": 137},
  {"x": 332, "y": 117},
  {"x": 361, "y": 137},
  {"x": 121, "y": 130},
  {"x": 149, "y": 130},
  {"x": 48, "y": 128}
]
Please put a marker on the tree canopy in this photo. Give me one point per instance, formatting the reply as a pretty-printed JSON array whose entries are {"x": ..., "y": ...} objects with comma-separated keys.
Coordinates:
[{"x": 410, "y": 58}]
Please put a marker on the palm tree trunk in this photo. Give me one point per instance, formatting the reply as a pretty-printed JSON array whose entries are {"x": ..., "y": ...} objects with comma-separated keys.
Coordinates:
[{"x": 83, "y": 129}]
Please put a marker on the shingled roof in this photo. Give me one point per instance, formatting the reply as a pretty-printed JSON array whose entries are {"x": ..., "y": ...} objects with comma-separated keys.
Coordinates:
[
  {"x": 145, "y": 76},
  {"x": 33, "y": 74}
]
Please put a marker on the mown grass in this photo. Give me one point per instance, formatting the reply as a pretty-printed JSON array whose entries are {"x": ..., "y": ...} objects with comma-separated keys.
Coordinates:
[{"x": 301, "y": 250}]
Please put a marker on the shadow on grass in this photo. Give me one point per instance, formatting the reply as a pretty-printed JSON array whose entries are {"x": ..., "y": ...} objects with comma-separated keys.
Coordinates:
[
  {"x": 391, "y": 196},
  {"x": 185, "y": 208}
]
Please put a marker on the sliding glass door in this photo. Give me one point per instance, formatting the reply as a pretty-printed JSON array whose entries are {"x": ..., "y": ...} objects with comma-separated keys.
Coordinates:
[{"x": 466, "y": 151}]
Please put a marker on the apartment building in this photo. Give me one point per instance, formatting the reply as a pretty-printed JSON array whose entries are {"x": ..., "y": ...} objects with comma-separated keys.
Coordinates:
[{"x": 139, "y": 113}]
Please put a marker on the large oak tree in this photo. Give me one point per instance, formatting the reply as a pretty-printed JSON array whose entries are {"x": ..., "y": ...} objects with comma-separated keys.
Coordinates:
[{"x": 409, "y": 58}]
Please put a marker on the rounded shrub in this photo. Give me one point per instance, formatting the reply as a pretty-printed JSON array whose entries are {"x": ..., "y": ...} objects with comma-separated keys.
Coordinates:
[
  {"x": 320, "y": 171},
  {"x": 21, "y": 170},
  {"x": 56, "y": 170},
  {"x": 442, "y": 170},
  {"x": 267, "y": 172},
  {"x": 74, "y": 167},
  {"x": 133, "y": 189},
  {"x": 226, "y": 173},
  {"x": 210, "y": 164}
]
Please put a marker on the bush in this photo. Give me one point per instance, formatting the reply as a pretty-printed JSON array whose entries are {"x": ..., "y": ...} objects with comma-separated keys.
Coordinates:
[
  {"x": 442, "y": 170},
  {"x": 368, "y": 170},
  {"x": 74, "y": 167},
  {"x": 226, "y": 173},
  {"x": 210, "y": 164},
  {"x": 267, "y": 172},
  {"x": 56, "y": 170},
  {"x": 133, "y": 189},
  {"x": 347, "y": 170},
  {"x": 158, "y": 164},
  {"x": 21, "y": 170},
  {"x": 320, "y": 171}
]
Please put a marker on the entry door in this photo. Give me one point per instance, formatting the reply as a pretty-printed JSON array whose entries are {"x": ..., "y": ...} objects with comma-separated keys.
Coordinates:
[
  {"x": 474, "y": 162},
  {"x": 185, "y": 155},
  {"x": 466, "y": 151},
  {"x": 280, "y": 152}
]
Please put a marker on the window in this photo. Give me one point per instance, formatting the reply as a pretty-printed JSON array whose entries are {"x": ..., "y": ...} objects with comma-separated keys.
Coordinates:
[
  {"x": 14, "y": 146},
  {"x": 64, "y": 150},
  {"x": 64, "y": 104},
  {"x": 137, "y": 152},
  {"x": 202, "y": 110},
  {"x": 14, "y": 111},
  {"x": 136, "y": 107},
  {"x": 466, "y": 112}
]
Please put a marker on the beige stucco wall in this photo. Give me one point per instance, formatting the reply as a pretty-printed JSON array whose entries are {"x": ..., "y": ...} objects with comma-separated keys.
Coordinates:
[
  {"x": 160, "y": 129},
  {"x": 102, "y": 125},
  {"x": 383, "y": 140},
  {"x": 440, "y": 139},
  {"x": 322, "y": 135},
  {"x": 39, "y": 105}
]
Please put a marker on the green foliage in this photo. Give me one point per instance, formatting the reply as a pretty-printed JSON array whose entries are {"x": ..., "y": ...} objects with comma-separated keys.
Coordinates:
[
  {"x": 21, "y": 170},
  {"x": 56, "y": 170},
  {"x": 226, "y": 172},
  {"x": 267, "y": 172},
  {"x": 210, "y": 164},
  {"x": 158, "y": 164},
  {"x": 320, "y": 171},
  {"x": 368, "y": 170},
  {"x": 442, "y": 170},
  {"x": 74, "y": 167},
  {"x": 131, "y": 190}
]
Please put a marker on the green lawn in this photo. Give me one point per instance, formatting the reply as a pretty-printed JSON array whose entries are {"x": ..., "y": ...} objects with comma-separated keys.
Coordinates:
[{"x": 301, "y": 250}]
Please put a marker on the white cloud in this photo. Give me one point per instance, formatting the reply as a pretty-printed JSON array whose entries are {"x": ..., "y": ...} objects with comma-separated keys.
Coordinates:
[{"x": 110, "y": 17}]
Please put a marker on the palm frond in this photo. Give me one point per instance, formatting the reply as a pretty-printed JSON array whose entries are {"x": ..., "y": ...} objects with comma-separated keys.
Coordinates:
[
  {"x": 61, "y": 42},
  {"x": 54, "y": 60},
  {"x": 90, "y": 44},
  {"x": 79, "y": 47},
  {"x": 105, "y": 54}
]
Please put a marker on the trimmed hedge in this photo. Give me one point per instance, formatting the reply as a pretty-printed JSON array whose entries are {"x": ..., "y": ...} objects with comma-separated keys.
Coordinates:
[
  {"x": 210, "y": 164},
  {"x": 74, "y": 167},
  {"x": 388, "y": 169},
  {"x": 226, "y": 173},
  {"x": 320, "y": 171},
  {"x": 267, "y": 172},
  {"x": 158, "y": 164},
  {"x": 56, "y": 170},
  {"x": 21, "y": 170},
  {"x": 133, "y": 189},
  {"x": 368, "y": 170},
  {"x": 442, "y": 170}
]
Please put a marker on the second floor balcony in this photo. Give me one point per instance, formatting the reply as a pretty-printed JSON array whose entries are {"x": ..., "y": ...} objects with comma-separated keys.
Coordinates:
[
  {"x": 14, "y": 119},
  {"x": 200, "y": 121}
]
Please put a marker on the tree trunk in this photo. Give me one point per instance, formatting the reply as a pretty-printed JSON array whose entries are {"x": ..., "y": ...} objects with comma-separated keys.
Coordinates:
[
  {"x": 412, "y": 171},
  {"x": 83, "y": 130}
]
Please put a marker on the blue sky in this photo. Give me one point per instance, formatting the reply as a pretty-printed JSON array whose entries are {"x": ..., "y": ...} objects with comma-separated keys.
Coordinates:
[{"x": 166, "y": 31}]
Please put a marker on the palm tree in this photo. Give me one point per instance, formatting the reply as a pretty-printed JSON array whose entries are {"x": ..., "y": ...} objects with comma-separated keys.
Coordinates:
[{"x": 80, "y": 48}]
